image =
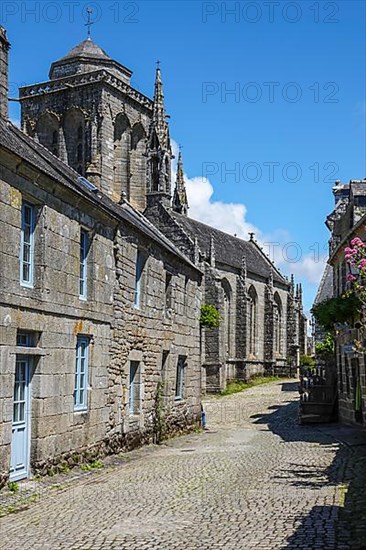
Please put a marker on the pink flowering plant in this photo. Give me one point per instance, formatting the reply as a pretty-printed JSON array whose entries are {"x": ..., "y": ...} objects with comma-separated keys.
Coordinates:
[{"x": 355, "y": 256}]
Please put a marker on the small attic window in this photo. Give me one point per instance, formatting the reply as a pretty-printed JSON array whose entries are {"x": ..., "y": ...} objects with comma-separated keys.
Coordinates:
[{"x": 87, "y": 184}]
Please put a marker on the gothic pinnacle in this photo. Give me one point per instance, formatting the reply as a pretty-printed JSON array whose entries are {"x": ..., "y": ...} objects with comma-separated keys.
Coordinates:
[
  {"x": 159, "y": 114},
  {"x": 180, "y": 201}
]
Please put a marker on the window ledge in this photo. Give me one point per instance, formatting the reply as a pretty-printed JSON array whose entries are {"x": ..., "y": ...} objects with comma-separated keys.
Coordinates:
[
  {"x": 27, "y": 285},
  {"x": 80, "y": 411},
  {"x": 26, "y": 350}
]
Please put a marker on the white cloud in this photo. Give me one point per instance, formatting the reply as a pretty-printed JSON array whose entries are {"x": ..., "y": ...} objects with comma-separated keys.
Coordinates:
[
  {"x": 309, "y": 268},
  {"x": 231, "y": 217}
]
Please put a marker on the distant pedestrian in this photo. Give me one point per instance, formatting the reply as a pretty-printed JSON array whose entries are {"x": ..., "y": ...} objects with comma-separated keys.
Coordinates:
[{"x": 203, "y": 417}]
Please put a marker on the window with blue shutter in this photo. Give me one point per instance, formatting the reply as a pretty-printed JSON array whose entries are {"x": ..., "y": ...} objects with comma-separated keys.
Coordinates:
[
  {"x": 140, "y": 262},
  {"x": 27, "y": 244},
  {"x": 84, "y": 244},
  {"x": 81, "y": 373}
]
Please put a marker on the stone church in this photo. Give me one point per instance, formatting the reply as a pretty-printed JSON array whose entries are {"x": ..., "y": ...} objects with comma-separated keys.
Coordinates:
[{"x": 103, "y": 274}]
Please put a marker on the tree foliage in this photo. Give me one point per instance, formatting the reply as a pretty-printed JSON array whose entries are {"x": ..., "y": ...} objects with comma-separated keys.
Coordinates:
[
  {"x": 210, "y": 317},
  {"x": 326, "y": 347},
  {"x": 337, "y": 310},
  {"x": 307, "y": 361}
]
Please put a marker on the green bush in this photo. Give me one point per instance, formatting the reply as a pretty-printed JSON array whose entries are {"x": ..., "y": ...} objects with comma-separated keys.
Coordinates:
[
  {"x": 326, "y": 348},
  {"x": 210, "y": 317},
  {"x": 307, "y": 361},
  {"x": 337, "y": 310}
]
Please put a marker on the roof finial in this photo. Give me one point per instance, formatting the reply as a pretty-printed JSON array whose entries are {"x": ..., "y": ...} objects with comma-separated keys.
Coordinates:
[
  {"x": 89, "y": 23},
  {"x": 251, "y": 236}
]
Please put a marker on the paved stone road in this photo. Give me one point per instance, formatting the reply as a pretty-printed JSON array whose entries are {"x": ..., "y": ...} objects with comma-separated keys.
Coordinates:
[{"x": 255, "y": 479}]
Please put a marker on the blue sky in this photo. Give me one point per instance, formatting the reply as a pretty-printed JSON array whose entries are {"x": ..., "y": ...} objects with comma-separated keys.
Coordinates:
[{"x": 271, "y": 149}]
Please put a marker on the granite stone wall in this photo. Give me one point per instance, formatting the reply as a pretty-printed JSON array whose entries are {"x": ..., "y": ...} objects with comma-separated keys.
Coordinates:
[
  {"x": 162, "y": 331},
  {"x": 53, "y": 314}
]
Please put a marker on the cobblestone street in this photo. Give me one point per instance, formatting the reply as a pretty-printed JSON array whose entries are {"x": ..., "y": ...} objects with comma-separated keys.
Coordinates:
[{"x": 255, "y": 478}]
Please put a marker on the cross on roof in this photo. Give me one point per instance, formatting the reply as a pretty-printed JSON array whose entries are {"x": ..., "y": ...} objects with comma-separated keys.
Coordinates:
[{"x": 89, "y": 23}]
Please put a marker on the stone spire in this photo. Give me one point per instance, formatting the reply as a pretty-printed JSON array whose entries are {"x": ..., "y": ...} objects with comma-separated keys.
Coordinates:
[
  {"x": 4, "y": 86},
  {"x": 180, "y": 201},
  {"x": 159, "y": 152},
  {"x": 159, "y": 115}
]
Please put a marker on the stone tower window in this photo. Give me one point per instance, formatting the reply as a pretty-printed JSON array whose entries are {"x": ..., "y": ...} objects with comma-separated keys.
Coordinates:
[
  {"x": 74, "y": 132},
  {"x": 121, "y": 161},
  {"x": 47, "y": 129},
  {"x": 137, "y": 183}
]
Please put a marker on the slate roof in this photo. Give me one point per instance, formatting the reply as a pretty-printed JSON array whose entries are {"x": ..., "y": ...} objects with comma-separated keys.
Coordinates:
[
  {"x": 229, "y": 250},
  {"x": 86, "y": 48},
  {"x": 14, "y": 140},
  {"x": 85, "y": 54},
  {"x": 325, "y": 290}
]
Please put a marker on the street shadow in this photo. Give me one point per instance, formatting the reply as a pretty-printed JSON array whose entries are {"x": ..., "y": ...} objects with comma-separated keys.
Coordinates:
[
  {"x": 289, "y": 386},
  {"x": 342, "y": 525}
]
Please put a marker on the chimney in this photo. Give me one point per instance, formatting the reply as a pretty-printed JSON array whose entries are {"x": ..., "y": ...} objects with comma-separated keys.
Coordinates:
[{"x": 4, "y": 50}]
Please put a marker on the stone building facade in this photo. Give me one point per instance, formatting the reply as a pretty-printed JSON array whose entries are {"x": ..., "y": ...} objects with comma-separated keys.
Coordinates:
[
  {"x": 99, "y": 316},
  {"x": 263, "y": 327},
  {"x": 102, "y": 275},
  {"x": 348, "y": 220}
]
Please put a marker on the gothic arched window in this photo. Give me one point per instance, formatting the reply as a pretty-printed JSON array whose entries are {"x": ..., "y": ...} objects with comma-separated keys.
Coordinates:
[
  {"x": 74, "y": 131},
  {"x": 252, "y": 321},
  {"x": 47, "y": 129},
  {"x": 138, "y": 166},
  {"x": 227, "y": 316},
  {"x": 121, "y": 162},
  {"x": 277, "y": 324}
]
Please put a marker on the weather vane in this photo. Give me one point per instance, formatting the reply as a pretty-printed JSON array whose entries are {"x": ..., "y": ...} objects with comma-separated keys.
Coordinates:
[
  {"x": 89, "y": 11},
  {"x": 158, "y": 64}
]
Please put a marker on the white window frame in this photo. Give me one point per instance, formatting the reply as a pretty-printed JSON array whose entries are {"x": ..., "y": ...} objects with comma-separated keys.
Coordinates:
[
  {"x": 30, "y": 243},
  {"x": 138, "y": 277},
  {"x": 135, "y": 381},
  {"x": 168, "y": 293},
  {"x": 83, "y": 273},
  {"x": 179, "y": 382},
  {"x": 81, "y": 384}
]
